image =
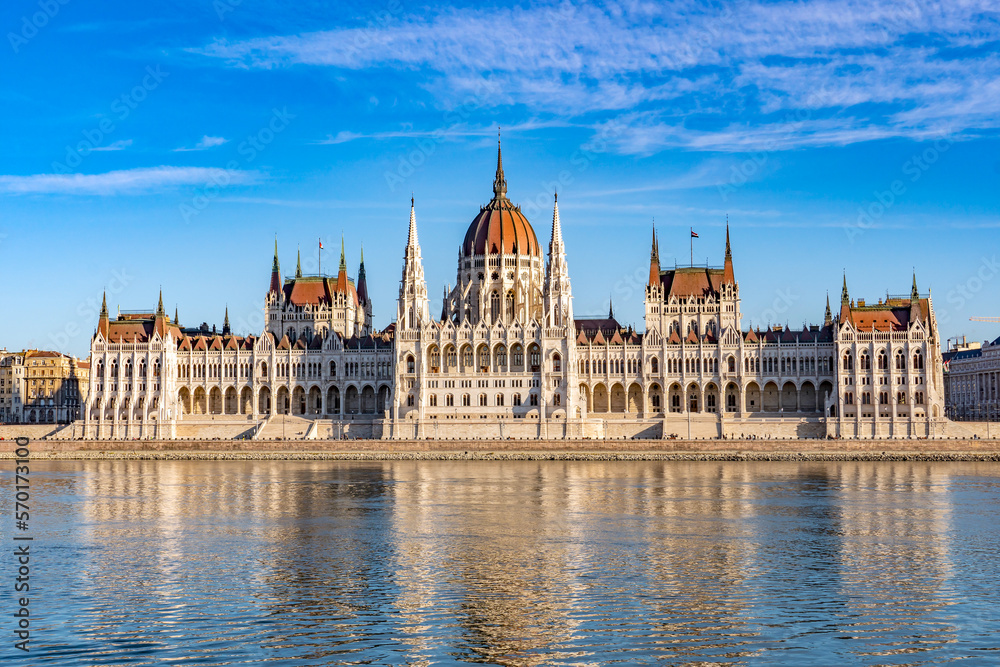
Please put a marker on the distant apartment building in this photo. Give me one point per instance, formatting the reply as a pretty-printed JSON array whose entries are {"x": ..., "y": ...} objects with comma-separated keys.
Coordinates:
[
  {"x": 11, "y": 386},
  {"x": 971, "y": 375},
  {"x": 42, "y": 387}
]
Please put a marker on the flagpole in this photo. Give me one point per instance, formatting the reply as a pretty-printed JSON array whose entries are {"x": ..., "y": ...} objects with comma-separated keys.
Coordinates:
[
  {"x": 320, "y": 253},
  {"x": 692, "y": 245}
]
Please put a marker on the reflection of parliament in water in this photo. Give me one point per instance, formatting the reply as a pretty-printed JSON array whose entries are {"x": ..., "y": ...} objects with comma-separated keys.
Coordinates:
[{"x": 508, "y": 357}]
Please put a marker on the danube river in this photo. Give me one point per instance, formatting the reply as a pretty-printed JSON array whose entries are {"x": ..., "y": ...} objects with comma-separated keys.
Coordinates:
[{"x": 510, "y": 563}]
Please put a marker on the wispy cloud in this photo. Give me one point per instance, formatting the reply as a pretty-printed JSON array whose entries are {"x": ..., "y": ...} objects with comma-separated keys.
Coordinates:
[
  {"x": 445, "y": 133},
  {"x": 205, "y": 143},
  {"x": 131, "y": 181},
  {"x": 116, "y": 146},
  {"x": 735, "y": 76}
]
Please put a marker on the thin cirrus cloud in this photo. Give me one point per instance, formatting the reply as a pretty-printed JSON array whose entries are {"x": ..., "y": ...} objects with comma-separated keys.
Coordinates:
[
  {"x": 740, "y": 76},
  {"x": 205, "y": 143},
  {"x": 129, "y": 181},
  {"x": 115, "y": 146}
]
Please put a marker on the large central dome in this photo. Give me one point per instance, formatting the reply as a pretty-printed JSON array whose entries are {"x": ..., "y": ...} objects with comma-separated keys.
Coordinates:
[{"x": 500, "y": 226}]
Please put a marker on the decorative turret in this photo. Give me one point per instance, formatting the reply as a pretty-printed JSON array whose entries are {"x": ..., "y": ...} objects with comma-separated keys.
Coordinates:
[
  {"x": 413, "y": 307},
  {"x": 298, "y": 265},
  {"x": 728, "y": 277},
  {"x": 275, "y": 271},
  {"x": 159, "y": 308},
  {"x": 558, "y": 296},
  {"x": 499, "y": 183},
  {"x": 914, "y": 294},
  {"x": 611, "y": 308},
  {"x": 845, "y": 297},
  {"x": 104, "y": 319},
  {"x": 226, "y": 330},
  {"x": 654, "y": 261},
  {"x": 828, "y": 317},
  {"x": 362, "y": 279},
  {"x": 176, "y": 319}
]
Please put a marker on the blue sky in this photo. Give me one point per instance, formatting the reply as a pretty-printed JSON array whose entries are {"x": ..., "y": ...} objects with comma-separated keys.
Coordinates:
[{"x": 166, "y": 143}]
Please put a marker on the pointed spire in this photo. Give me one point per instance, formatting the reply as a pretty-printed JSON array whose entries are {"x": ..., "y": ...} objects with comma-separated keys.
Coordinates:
[
  {"x": 225, "y": 324},
  {"x": 411, "y": 241},
  {"x": 654, "y": 260},
  {"x": 275, "y": 287},
  {"x": 499, "y": 183},
  {"x": 104, "y": 306},
  {"x": 159, "y": 308},
  {"x": 611, "y": 309},
  {"x": 845, "y": 297},
  {"x": 362, "y": 288},
  {"x": 828, "y": 317},
  {"x": 298, "y": 264},
  {"x": 343, "y": 256},
  {"x": 176, "y": 319},
  {"x": 556, "y": 242},
  {"x": 728, "y": 275},
  {"x": 914, "y": 293}
]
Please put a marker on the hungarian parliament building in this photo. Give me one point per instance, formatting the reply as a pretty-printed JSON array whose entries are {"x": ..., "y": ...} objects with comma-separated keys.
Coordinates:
[{"x": 507, "y": 357}]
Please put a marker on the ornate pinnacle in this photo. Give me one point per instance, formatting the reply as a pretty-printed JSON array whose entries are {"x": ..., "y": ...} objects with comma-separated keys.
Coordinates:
[{"x": 499, "y": 183}]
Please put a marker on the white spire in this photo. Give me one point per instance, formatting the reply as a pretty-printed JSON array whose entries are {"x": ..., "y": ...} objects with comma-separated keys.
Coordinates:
[
  {"x": 556, "y": 227},
  {"x": 412, "y": 241}
]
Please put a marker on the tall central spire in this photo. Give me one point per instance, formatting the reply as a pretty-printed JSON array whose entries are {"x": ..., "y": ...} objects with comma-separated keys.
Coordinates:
[{"x": 499, "y": 183}]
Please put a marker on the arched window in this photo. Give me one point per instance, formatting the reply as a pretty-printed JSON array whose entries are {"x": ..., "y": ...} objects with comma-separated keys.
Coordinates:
[
  {"x": 333, "y": 369},
  {"x": 882, "y": 361},
  {"x": 434, "y": 400},
  {"x": 654, "y": 365},
  {"x": 517, "y": 399},
  {"x": 434, "y": 359},
  {"x": 410, "y": 364},
  {"x": 499, "y": 400},
  {"x": 556, "y": 364},
  {"x": 557, "y": 400},
  {"x": 510, "y": 306},
  {"x": 482, "y": 400},
  {"x": 494, "y": 306},
  {"x": 900, "y": 361},
  {"x": 466, "y": 400},
  {"x": 449, "y": 400},
  {"x": 451, "y": 357},
  {"x": 918, "y": 361},
  {"x": 848, "y": 361},
  {"x": 864, "y": 362},
  {"x": 467, "y": 356},
  {"x": 732, "y": 364}
]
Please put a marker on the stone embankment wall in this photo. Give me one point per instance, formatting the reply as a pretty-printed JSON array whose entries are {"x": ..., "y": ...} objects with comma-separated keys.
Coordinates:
[{"x": 964, "y": 449}]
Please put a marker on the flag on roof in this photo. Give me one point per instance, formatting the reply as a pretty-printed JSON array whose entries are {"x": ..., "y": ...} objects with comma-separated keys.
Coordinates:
[{"x": 694, "y": 234}]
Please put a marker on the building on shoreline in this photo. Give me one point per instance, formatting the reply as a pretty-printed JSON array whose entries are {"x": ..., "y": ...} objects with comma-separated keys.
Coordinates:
[
  {"x": 508, "y": 358},
  {"x": 42, "y": 387},
  {"x": 971, "y": 375}
]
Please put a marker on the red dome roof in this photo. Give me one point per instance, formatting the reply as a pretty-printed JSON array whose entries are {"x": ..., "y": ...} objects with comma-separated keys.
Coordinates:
[{"x": 500, "y": 226}]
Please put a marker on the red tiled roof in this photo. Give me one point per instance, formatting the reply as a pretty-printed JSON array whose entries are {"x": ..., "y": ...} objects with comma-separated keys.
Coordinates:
[
  {"x": 691, "y": 281},
  {"x": 894, "y": 315}
]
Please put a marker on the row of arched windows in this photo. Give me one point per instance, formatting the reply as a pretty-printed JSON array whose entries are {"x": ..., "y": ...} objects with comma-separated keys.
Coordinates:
[{"x": 882, "y": 361}]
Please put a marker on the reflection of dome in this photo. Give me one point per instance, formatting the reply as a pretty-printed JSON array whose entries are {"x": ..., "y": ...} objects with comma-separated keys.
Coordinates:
[{"x": 500, "y": 226}]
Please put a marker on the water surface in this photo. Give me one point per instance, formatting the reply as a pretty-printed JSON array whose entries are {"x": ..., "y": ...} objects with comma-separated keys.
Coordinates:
[{"x": 512, "y": 563}]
